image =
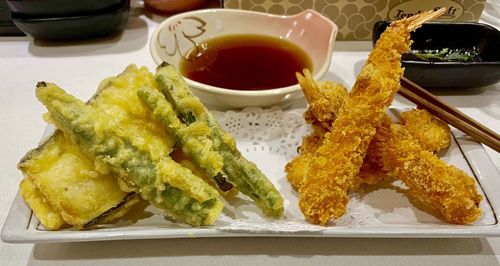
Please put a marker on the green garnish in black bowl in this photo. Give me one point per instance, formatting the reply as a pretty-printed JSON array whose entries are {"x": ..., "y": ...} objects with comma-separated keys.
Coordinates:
[{"x": 447, "y": 55}]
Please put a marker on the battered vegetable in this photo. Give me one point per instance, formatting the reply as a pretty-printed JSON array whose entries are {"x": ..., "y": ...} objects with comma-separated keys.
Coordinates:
[
  {"x": 193, "y": 137},
  {"x": 243, "y": 174},
  {"x": 60, "y": 178},
  {"x": 169, "y": 186},
  {"x": 46, "y": 214},
  {"x": 65, "y": 180}
]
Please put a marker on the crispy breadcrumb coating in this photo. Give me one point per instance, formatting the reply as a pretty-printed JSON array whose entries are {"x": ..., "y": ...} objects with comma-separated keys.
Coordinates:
[
  {"x": 431, "y": 133},
  {"x": 377, "y": 168},
  {"x": 430, "y": 180},
  {"x": 324, "y": 98},
  {"x": 333, "y": 168},
  {"x": 297, "y": 168},
  {"x": 336, "y": 163}
]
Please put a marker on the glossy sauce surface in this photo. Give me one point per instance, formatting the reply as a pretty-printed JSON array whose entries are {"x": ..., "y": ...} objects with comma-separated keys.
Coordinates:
[{"x": 246, "y": 62}]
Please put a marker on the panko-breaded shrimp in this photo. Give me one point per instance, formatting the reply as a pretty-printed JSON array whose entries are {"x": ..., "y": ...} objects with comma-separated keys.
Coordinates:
[
  {"x": 325, "y": 99},
  {"x": 336, "y": 163},
  {"x": 372, "y": 171},
  {"x": 414, "y": 125},
  {"x": 431, "y": 133},
  {"x": 297, "y": 168},
  {"x": 430, "y": 180},
  {"x": 320, "y": 114}
]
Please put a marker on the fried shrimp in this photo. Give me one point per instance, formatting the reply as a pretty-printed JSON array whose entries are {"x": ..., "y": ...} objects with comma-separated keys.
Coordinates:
[
  {"x": 297, "y": 168},
  {"x": 320, "y": 112},
  {"x": 430, "y": 180},
  {"x": 378, "y": 165},
  {"x": 456, "y": 206},
  {"x": 336, "y": 163},
  {"x": 430, "y": 132},
  {"x": 325, "y": 99}
]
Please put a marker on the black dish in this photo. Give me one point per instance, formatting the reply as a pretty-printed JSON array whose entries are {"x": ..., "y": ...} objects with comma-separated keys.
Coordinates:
[
  {"x": 74, "y": 27},
  {"x": 7, "y": 27},
  {"x": 59, "y": 7},
  {"x": 453, "y": 35}
]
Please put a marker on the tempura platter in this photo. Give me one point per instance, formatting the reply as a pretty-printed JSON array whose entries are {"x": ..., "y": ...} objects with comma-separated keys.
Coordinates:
[{"x": 270, "y": 139}]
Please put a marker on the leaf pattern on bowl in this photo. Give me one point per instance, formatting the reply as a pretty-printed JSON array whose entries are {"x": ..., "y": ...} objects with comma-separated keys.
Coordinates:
[{"x": 178, "y": 37}]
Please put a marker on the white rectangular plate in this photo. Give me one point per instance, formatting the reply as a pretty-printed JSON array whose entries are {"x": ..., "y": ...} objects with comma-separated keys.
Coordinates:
[{"x": 270, "y": 139}]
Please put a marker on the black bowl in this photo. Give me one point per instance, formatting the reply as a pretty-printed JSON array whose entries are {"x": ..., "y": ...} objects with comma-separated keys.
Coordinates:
[
  {"x": 59, "y": 7},
  {"x": 7, "y": 27},
  {"x": 74, "y": 27},
  {"x": 482, "y": 71}
]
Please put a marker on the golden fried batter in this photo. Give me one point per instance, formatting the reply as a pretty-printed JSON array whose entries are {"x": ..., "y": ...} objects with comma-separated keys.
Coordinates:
[
  {"x": 456, "y": 206},
  {"x": 430, "y": 180},
  {"x": 297, "y": 168},
  {"x": 324, "y": 98},
  {"x": 336, "y": 163},
  {"x": 430, "y": 132}
]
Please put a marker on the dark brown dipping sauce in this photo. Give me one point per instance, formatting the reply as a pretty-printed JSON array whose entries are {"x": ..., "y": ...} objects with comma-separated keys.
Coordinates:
[{"x": 246, "y": 62}]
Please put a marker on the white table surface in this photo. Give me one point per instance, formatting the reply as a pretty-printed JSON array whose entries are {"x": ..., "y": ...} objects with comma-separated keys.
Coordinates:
[{"x": 79, "y": 66}]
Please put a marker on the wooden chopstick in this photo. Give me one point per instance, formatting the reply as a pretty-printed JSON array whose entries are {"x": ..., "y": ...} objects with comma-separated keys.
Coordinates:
[{"x": 449, "y": 114}]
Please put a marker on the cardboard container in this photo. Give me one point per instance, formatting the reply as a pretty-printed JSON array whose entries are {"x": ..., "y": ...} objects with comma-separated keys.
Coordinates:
[{"x": 355, "y": 18}]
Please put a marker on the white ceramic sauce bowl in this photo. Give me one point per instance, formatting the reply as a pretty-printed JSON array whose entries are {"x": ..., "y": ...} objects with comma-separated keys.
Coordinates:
[{"x": 177, "y": 35}]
